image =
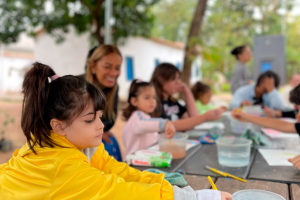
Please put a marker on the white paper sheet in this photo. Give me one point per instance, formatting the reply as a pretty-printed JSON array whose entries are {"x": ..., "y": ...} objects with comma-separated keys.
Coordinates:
[
  {"x": 278, "y": 157},
  {"x": 209, "y": 125},
  {"x": 277, "y": 134}
]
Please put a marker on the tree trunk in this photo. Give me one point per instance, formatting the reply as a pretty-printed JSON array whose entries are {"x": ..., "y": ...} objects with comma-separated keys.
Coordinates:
[
  {"x": 94, "y": 10},
  {"x": 190, "y": 49},
  {"x": 97, "y": 33}
]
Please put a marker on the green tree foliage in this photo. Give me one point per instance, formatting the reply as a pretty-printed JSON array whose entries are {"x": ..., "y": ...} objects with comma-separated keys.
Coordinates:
[
  {"x": 173, "y": 18},
  {"x": 131, "y": 17},
  {"x": 228, "y": 23},
  {"x": 293, "y": 46}
]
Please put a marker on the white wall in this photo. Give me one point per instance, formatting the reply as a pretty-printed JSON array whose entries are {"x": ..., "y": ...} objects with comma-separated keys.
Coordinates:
[
  {"x": 70, "y": 56},
  {"x": 66, "y": 58},
  {"x": 144, "y": 52},
  {"x": 14, "y": 58},
  {"x": 12, "y": 73}
]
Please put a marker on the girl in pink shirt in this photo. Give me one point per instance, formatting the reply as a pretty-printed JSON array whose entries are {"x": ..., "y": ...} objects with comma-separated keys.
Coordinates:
[{"x": 141, "y": 129}]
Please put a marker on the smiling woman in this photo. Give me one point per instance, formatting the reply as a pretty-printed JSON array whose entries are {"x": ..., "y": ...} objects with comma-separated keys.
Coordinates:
[{"x": 103, "y": 68}]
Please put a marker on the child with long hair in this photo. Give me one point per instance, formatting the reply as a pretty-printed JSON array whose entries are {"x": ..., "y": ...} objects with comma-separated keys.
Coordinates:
[
  {"x": 60, "y": 119},
  {"x": 203, "y": 93},
  {"x": 141, "y": 129},
  {"x": 165, "y": 79}
]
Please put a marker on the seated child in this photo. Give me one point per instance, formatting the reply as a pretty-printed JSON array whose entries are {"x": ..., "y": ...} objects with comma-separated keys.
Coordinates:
[
  {"x": 202, "y": 94},
  {"x": 166, "y": 82},
  {"x": 276, "y": 124},
  {"x": 264, "y": 92},
  {"x": 60, "y": 120},
  {"x": 140, "y": 130}
]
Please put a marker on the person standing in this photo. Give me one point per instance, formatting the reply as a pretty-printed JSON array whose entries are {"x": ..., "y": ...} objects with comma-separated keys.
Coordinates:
[{"x": 241, "y": 75}]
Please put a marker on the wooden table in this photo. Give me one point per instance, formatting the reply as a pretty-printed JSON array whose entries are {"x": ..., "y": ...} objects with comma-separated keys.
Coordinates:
[
  {"x": 262, "y": 176},
  {"x": 208, "y": 155},
  {"x": 176, "y": 163},
  {"x": 295, "y": 191},
  {"x": 232, "y": 186},
  {"x": 262, "y": 171}
]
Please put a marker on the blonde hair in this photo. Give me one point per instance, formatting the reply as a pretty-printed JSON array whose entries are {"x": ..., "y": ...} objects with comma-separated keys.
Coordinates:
[{"x": 97, "y": 55}]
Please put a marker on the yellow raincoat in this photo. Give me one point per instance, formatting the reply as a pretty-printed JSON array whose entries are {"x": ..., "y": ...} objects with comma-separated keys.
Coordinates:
[{"x": 65, "y": 173}]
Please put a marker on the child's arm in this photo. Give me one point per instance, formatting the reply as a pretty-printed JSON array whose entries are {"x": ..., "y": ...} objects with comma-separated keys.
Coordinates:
[
  {"x": 77, "y": 179},
  {"x": 291, "y": 114},
  {"x": 102, "y": 161},
  {"x": 295, "y": 161},
  {"x": 189, "y": 123},
  {"x": 278, "y": 113},
  {"x": 276, "y": 124},
  {"x": 275, "y": 100},
  {"x": 272, "y": 113},
  {"x": 144, "y": 124}
]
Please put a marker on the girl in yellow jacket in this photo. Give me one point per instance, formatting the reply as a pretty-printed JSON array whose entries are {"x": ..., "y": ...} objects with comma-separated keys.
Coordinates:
[{"x": 61, "y": 119}]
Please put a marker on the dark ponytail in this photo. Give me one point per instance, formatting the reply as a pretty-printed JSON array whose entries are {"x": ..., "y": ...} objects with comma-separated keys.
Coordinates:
[
  {"x": 238, "y": 50},
  {"x": 64, "y": 99},
  {"x": 199, "y": 89},
  {"x": 134, "y": 91}
]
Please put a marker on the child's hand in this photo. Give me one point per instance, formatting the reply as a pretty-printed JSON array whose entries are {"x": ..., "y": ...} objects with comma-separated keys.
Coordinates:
[
  {"x": 169, "y": 129},
  {"x": 182, "y": 87},
  {"x": 213, "y": 114},
  {"x": 224, "y": 108},
  {"x": 272, "y": 113},
  {"x": 238, "y": 114},
  {"x": 295, "y": 161},
  {"x": 246, "y": 103},
  {"x": 226, "y": 196},
  {"x": 269, "y": 112}
]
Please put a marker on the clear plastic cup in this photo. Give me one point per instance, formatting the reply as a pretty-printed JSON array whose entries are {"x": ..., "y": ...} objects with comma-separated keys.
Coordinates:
[
  {"x": 234, "y": 152},
  {"x": 176, "y": 146},
  {"x": 238, "y": 127}
]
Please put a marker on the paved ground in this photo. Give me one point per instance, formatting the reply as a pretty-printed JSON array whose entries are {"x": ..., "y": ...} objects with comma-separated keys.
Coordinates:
[{"x": 13, "y": 131}]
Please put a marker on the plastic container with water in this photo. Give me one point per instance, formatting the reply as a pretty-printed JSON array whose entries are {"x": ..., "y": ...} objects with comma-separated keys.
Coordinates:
[
  {"x": 176, "y": 146},
  {"x": 256, "y": 195},
  {"x": 234, "y": 152},
  {"x": 239, "y": 127}
]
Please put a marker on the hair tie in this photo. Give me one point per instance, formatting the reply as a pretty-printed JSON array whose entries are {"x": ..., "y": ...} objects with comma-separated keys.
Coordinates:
[{"x": 54, "y": 77}]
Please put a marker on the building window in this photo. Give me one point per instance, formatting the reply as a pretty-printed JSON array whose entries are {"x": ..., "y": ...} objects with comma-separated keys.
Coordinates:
[
  {"x": 156, "y": 62},
  {"x": 178, "y": 65},
  {"x": 265, "y": 66},
  {"x": 129, "y": 67}
]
